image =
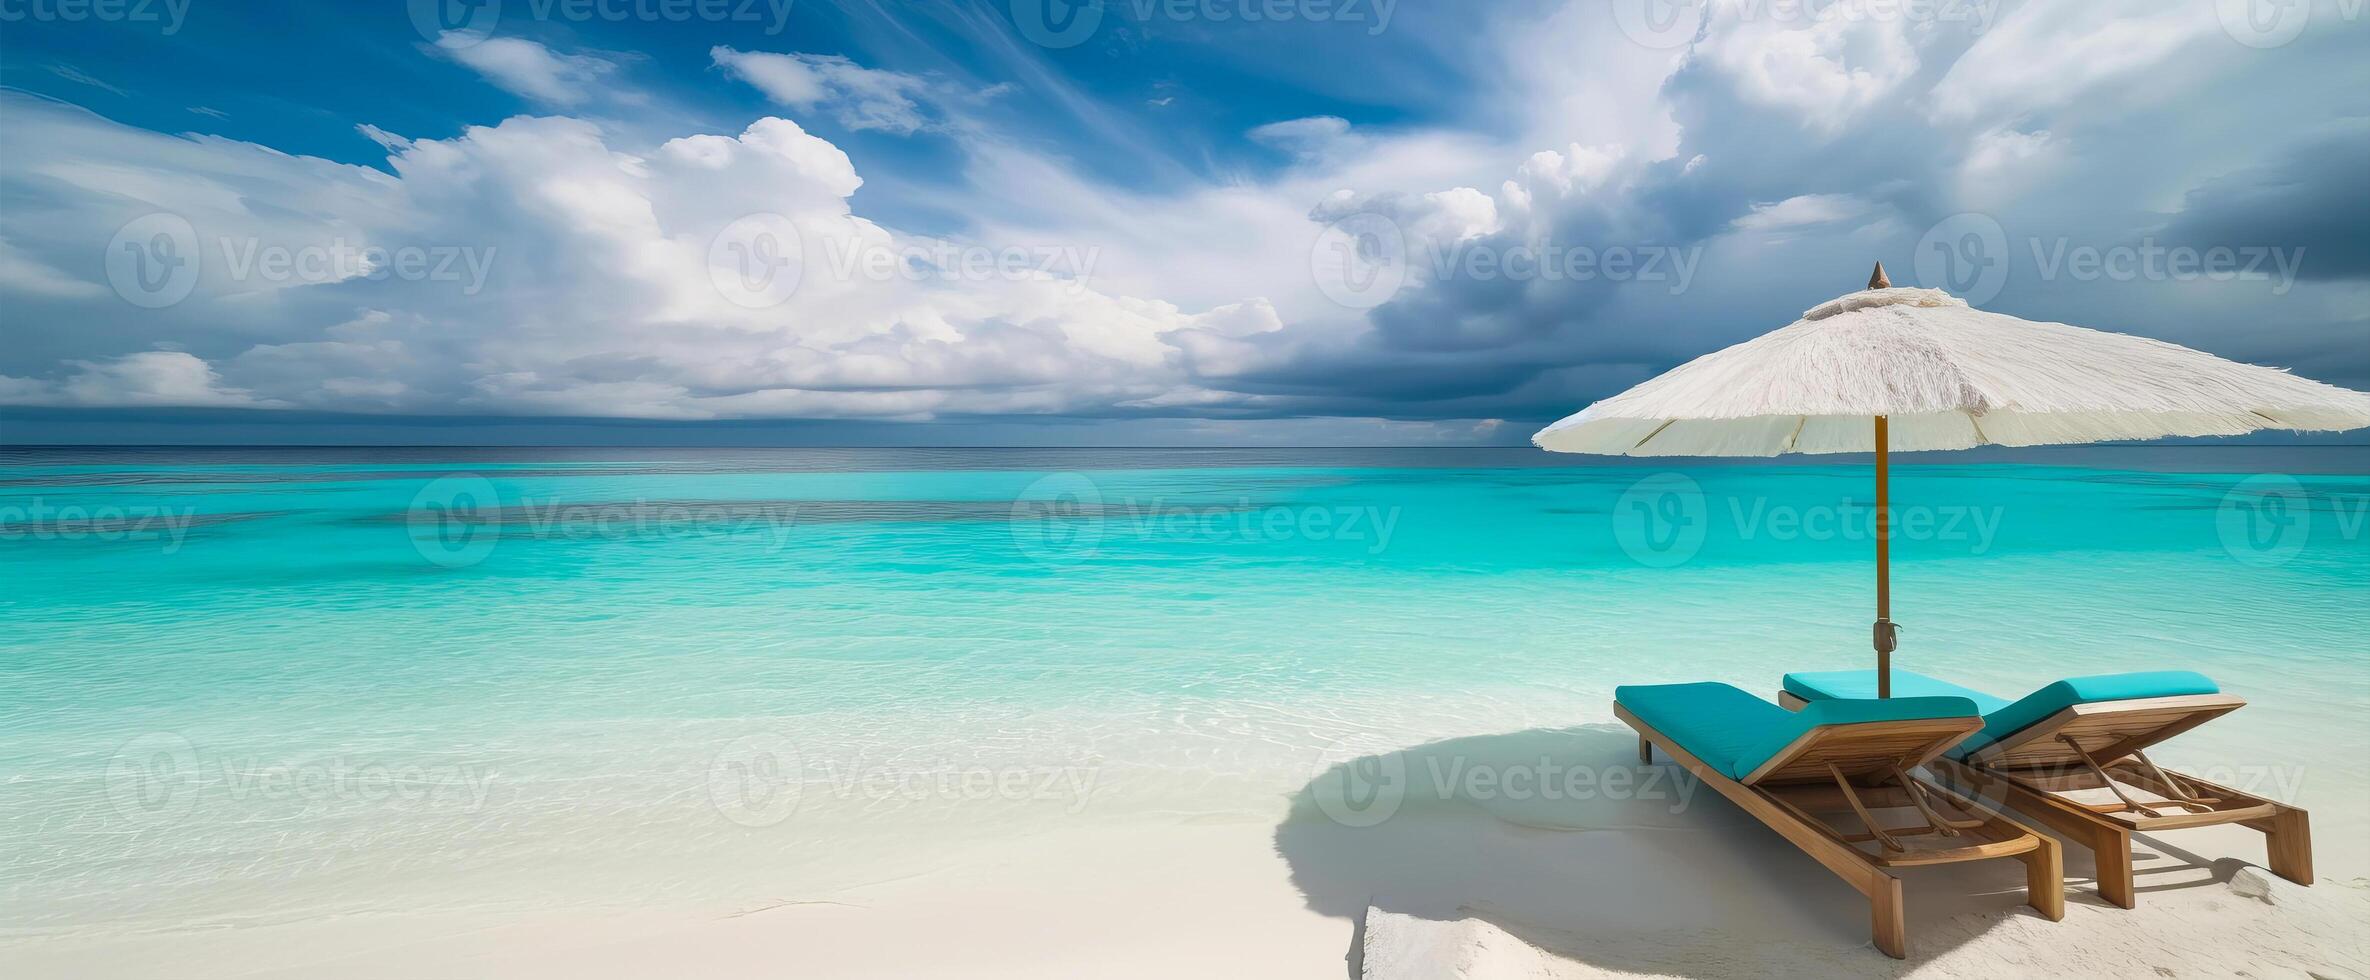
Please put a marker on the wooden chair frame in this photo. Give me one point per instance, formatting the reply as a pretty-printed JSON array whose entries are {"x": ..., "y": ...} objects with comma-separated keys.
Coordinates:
[
  {"x": 2102, "y": 746},
  {"x": 1850, "y": 768}
]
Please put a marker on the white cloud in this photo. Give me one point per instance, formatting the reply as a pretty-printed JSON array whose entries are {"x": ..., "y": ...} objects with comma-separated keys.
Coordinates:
[
  {"x": 1802, "y": 210},
  {"x": 392, "y": 142},
  {"x": 1555, "y": 175},
  {"x": 602, "y": 295},
  {"x": 1190, "y": 296},
  {"x": 1827, "y": 69},
  {"x": 526, "y": 68},
  {"x": 157, "y": 379},
  {"x": 1308, "y": 136},
  {"x": 2002, "y": 163},
  {"x": 859, "y": 97},
  {"x": 785, "y": 78},
  {"x": 25, "y": 274},
  {"x": 2047, "y": 55},
  {"x": 80, "y": 77}
]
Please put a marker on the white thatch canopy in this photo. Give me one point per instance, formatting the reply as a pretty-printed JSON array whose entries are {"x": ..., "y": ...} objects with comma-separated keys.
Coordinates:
[{"x": 1948, "y": 376}]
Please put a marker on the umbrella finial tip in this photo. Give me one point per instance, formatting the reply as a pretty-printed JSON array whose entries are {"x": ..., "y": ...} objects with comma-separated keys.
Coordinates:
[{"x": 1877, "y": 280}]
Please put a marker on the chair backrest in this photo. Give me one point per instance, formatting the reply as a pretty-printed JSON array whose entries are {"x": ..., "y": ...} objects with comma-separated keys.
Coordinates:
[
  {"x": 1860, "y": 748},
  {"x": 2107, "y": 730}
]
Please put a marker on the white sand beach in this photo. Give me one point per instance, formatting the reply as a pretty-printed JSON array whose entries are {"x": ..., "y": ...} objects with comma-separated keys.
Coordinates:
[{"x": 1665, "y": 881}]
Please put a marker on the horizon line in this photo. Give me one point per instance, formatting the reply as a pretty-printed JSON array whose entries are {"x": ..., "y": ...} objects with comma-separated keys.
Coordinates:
[{"x": 10, "y": 447}]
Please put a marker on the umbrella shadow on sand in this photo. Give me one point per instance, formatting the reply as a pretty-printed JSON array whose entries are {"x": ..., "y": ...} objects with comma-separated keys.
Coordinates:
[{"x": 1561, "y": 839}]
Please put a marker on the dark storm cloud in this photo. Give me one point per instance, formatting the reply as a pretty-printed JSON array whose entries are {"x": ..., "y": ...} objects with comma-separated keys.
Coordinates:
[{"x": 2312, "y": 197}]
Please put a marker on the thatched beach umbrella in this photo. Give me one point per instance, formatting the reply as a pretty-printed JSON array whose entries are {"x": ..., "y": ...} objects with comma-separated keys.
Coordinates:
[{"x": 1893, "y": 369}]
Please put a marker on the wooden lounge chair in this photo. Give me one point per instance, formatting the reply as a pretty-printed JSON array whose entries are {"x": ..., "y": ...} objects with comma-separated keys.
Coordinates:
[
  {"x": 2073, "y": 756},
  {"x": 1843, "y": 759}
]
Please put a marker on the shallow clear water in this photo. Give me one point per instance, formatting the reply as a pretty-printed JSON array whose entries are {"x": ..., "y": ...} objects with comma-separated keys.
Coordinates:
[{"x": 241, "y": 686}]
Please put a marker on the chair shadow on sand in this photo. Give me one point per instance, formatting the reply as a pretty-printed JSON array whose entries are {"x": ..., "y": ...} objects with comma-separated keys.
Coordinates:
[{"x": 1560, "y": 838}]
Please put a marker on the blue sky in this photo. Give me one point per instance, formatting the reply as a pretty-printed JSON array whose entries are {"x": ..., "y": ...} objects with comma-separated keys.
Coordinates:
[{"x": 1243, "y": 221}]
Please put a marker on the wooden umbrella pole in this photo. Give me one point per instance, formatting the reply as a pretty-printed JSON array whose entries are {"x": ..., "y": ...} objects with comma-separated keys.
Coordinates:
[{"x": 1886, "y": 639}]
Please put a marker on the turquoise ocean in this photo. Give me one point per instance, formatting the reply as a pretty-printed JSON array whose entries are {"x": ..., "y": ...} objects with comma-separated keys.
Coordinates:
[{"x": 253, "y": 686}]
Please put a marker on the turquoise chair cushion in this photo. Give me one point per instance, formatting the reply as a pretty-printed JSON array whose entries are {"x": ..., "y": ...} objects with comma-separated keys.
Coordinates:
[
  {"x": 2002, "y": 718},
  {"x": 1734, "y": 732},
  {"x": 2039, "y": 705},
  {"x": 1826, "y": 685}
]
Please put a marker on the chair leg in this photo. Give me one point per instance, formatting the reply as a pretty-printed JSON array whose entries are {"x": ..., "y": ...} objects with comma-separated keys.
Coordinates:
[
  {"x": 2045, "y": 880},
  {"x": 1888, "y": 927},
  {"x": 2112, "y": 850},
  {"x": 1645, "y": 751},
  {"x": 2287, "y": 836}
]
